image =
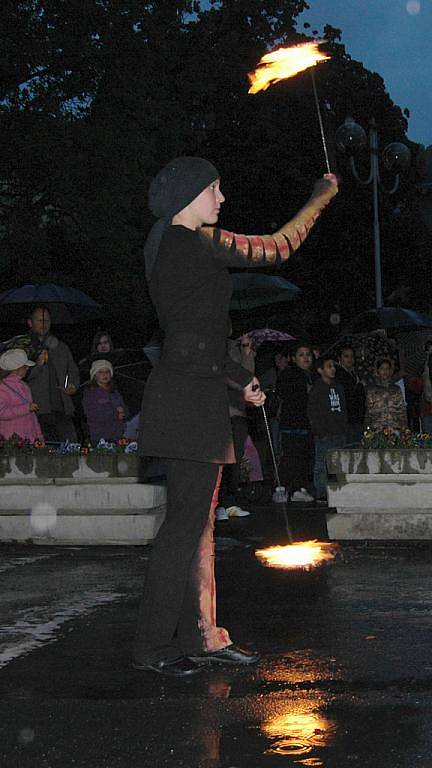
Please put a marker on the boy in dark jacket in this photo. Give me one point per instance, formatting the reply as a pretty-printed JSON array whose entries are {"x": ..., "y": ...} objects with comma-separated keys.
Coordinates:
[
  {"x": 293, "y": 385},
  {"x": 328, "y": 419},
  {"x": 355, "y": 394}
]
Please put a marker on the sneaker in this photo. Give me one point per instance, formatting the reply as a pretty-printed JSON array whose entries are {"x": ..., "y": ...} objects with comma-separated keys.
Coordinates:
[
  {"x": 221, "y": 514},
  {"x": 280, "y": 495},
  {"x": 302, "y": 495},
  {"x": 237, "y": 512},
  {"x": 306, "y": 495}
]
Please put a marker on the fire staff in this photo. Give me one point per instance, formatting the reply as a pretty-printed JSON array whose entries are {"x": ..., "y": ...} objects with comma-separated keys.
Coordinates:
[{"x": 185, "y": 415}]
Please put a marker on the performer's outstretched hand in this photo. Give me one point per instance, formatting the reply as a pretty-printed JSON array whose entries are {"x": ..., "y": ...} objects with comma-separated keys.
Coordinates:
[
  {"x": 326, "y": 187},
  {"x": 331, "y": 177},
  {"x": 253, "y": 393}
]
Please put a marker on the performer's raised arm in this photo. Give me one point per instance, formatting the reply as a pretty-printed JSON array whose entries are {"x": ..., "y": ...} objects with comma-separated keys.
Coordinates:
[{"x": 234, "y": 250}]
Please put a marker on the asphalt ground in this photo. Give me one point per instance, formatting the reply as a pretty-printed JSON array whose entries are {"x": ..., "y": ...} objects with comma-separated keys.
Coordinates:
[{"x": 345, "y": 677}]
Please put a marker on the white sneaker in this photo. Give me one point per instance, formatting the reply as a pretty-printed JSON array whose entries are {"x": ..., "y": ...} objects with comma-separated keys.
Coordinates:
[
  {"x": 237, "y": 512},
  {"x": 307, "y": 496},
  {"x": 221, "y": 514},
  {"x": 301, "y": 495}
]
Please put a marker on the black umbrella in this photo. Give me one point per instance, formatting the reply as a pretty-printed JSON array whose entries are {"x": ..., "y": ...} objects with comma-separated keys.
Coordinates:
[
  {"x": 389, "y": 318},
  {"x": 252, "y": 289},
  {"x": 66, "y": 305}
]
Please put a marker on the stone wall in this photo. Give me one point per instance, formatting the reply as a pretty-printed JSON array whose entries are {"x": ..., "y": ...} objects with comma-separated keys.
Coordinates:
[
  {"x": 380, "y": 494},
  {"x": 76, "y": 499}
]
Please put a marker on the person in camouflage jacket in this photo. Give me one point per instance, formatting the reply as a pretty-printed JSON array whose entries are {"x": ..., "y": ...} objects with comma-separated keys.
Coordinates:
[{"x": 385, "y": 406}]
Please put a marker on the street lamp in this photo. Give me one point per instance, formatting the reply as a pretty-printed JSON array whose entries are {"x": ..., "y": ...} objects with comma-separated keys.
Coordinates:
[{"x": 350, "y": 139}]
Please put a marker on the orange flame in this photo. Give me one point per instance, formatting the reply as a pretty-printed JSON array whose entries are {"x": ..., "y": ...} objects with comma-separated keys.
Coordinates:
[
  {"x": 303, "y": 554},
  {"x": 283, "y": 63}
]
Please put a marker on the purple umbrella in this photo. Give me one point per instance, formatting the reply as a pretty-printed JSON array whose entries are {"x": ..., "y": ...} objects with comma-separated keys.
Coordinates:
[{"x": 265, "y": 335}]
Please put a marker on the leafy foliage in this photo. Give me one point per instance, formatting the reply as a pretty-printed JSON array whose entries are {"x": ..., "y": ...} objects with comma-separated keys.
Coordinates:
[{"x": 96, "y": 96}]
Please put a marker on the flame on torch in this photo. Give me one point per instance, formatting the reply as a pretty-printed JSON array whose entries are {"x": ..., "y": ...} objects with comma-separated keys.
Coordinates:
[
  {"x": 302, "y": 554},
  {"x": 283, "y": 63}
]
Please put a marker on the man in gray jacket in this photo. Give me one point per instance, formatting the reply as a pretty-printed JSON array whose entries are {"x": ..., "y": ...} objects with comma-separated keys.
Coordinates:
[{"x": 53, "y": 379}]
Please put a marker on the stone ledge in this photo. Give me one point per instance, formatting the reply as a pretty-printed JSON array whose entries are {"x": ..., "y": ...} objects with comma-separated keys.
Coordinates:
[
  {"x": 94, "y": 467},
  {"x": 380, "y": 494},
  {"x": 351, "y": 525},
  {"x": 83, "y": 528},
  {"x": 362, "y": 461}
]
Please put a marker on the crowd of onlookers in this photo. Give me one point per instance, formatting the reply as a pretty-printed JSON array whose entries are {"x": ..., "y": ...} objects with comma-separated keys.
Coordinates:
[
  {"x": 318, "y": 402},
  {"x": 315, "y": 402},
  {"x": 60, "y": 400}
]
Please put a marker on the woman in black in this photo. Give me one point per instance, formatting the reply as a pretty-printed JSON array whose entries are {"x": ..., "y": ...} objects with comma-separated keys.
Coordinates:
[{"x": 185, "y": 414}]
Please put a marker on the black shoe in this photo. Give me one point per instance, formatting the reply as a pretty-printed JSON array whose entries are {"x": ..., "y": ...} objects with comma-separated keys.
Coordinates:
[
  {"x": 232, "y": 654},
  {"x": 180, "y": 667}
]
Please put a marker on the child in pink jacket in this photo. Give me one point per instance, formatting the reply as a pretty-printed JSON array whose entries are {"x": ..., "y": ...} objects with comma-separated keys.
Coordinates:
[{"x": 17, "y": 409}]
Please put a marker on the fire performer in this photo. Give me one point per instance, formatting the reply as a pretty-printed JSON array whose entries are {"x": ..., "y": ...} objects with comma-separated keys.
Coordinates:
[{"x": 185, "y": 415}]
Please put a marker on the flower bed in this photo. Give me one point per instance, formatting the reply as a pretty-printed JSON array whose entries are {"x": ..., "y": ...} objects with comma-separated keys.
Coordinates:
[
  {"x": 18, "y": 445},
  {"x": 390, "y": 439}
]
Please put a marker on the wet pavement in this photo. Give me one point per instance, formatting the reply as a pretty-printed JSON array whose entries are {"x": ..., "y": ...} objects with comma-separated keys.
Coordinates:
[{"x": 345, "y": 677}]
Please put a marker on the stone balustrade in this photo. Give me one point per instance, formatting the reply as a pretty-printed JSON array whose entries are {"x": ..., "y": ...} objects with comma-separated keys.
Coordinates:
[
  {"x": 380, "y": 494},
  {"x": 77, "y": 499}
]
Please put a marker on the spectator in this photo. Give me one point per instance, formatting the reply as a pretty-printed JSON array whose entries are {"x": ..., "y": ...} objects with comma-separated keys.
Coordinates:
[
  {"x": 242, "y": 353},
  {"x": 103, "y": 404},
  {"x": 102, "y": 348},
  {"x": 422, "y": 385},
  {"x": 385, "y": 406},
  {"x": 268, "y": 380},
  {"x": 327, "y": 413},
  {"x": 53, "y": 380},
  {"x": 17, "y": 409},
  {"x": 102, "y": 344},
  {"x": 355, "y": 395},
  {"x": 293, "y": 388}
]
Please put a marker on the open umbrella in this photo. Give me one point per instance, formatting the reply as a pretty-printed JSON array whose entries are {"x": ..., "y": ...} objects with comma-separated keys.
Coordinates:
[
  {"x": 412, "y": 345},
  {"x": 66, "y": 305},
  {"x": 251, "y": 289},
  {"x": 268, "y": 336},
  {"x": 389, "y": 318}
]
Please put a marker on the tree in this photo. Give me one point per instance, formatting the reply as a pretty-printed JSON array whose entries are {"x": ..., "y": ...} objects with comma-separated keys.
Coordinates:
[{"x": 96, "y": 96}]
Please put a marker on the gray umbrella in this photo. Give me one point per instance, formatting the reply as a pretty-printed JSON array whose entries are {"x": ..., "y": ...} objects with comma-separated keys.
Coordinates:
[
  {"x": 252, "y": 289},
  {"x": 389, "y": 318},
  {"x": 65, "y": 305}
]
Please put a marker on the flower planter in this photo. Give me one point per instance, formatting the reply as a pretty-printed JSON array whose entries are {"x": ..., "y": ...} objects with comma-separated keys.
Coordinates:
[
  {"x": 380, "y": 494},
  {"x": 78, "y": 499}
]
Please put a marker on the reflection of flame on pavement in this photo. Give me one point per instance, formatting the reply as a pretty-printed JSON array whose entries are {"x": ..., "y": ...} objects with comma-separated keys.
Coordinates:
[
  {"x": 283, "y": 63},
  {"x": 303, "y": 554},
  {"x": 299, "y": 734}
]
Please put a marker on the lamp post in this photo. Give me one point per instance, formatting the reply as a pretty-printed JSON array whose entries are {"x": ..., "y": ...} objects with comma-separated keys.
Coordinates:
[{"x": 352, "y": 138}]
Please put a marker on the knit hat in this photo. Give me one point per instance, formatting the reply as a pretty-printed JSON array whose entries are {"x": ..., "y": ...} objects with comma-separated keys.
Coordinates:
[
  {"x": 13, "y": 359},
  {"x": 98, "y": 365},
  {"x": 171, "y": 190}
]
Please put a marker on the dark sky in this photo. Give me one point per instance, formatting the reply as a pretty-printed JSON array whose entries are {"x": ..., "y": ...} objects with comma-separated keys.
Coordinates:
[{"x": 393, "y": 38}]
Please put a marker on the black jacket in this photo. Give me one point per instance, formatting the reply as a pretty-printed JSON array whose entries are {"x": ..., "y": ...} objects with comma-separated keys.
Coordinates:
[
  {"x": 327, "y": 409},
  {"x": 293, "y": 387},
  {"x": 185, "y": 409},
  {"x": 355, "y": 395}
]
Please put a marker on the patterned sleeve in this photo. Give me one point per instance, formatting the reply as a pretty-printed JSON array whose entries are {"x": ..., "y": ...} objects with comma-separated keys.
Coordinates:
[{"x": 234, "y": 250}]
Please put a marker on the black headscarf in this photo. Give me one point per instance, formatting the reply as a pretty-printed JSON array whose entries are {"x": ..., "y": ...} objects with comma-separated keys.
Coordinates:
[{"x": 171, "y": 190}]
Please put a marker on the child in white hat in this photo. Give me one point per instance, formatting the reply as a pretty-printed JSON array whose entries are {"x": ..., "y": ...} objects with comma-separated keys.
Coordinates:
[
  {"x": 17, "y": 409},
  {"x": 103, "y": 405}
]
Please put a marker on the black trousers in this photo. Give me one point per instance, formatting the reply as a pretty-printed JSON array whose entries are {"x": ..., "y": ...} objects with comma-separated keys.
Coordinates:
[
  {"x": 168, "y": 620},
  {"x": 296, "y": 462}
]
